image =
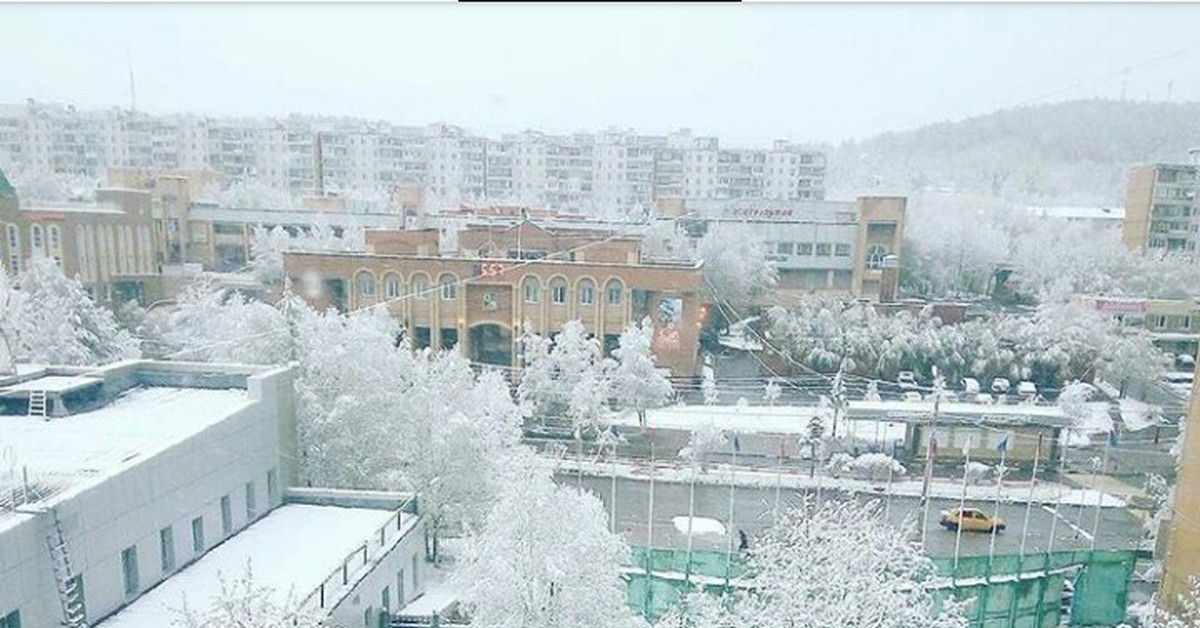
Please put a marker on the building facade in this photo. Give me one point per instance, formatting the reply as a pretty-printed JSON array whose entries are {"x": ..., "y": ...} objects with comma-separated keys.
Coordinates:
[
  {"x": 503, "y": 281},
  {"x": 1173, "y": 324},
  {"x": 610, "y": 170},
  {"x": 1181, "y": 562},
  {"x": 817, "y": 247},
  {"x": 1161, "y": 211}
]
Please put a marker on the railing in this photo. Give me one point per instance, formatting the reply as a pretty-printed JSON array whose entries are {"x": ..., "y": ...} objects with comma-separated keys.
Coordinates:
[{"x": 371, "y": 549}]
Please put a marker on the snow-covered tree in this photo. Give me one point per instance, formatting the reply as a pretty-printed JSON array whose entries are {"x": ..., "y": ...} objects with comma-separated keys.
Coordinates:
[
  {"x": 708, "y": 387},
  {"x": 241, "y": 603},
  {"x": 735, "y": 269},
  {"x": 872, "y": 392},
  {"x": 877, "y": 466},
  {"x": 1183, "y": 613},
  {"x": 837, "y": 564},
  {"x": 564, "y": 379},
  {"x": 839, "y": 463},
  {"x": 210, "y": 324},
  {"x": 703, "y": 442},
  {"x": 636, "y": 382},
  {"x": 976, "y": 472},
  {"x": 544, "y": 558},
  {"x": 50, "y": 319},
  {"x": 771, "y": 392}
]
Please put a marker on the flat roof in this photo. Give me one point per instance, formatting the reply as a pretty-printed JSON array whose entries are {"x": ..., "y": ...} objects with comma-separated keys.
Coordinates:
[
  {"x": 65, "y": 453},
  {"x": 291, "y": 552},
  {"x": 1079, "y": 213},
  {"x": 81, "y": 208}
]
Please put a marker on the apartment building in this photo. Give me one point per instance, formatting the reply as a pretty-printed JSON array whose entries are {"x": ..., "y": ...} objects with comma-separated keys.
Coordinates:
[
  {"x": 1162, "y": 214},
  {"x": 817, "y": 247},
  {"x": 1173, "y": 324},
  {"x": 140, "y": 482},
  {"x": 618, "y": 171},
  {"x": 501, "y": 280}
]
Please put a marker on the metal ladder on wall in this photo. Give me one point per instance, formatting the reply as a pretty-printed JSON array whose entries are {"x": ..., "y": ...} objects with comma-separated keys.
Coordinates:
[
  {"x": 74, "y": 615},
  {"x": 37, "y": 403}
]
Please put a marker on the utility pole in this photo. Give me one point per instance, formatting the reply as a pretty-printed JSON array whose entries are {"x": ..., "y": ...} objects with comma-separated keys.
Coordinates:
[
  {"x": 939, "y": 386},
  {"x": 838, "y": 396}
]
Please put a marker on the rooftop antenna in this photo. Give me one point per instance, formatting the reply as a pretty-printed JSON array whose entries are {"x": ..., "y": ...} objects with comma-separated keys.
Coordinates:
[
  {"x": 319, "y": 171},
  {"x": 132, "y": 89}
]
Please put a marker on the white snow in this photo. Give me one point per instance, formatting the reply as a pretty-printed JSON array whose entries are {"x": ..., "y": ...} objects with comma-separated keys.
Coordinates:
[
  {"x": 85, "y": 447},
  {"x": 700, "y": 525},
  {"x": 762, "y": 420},
  {"x": 1137, "y": 415},
  {"x": 292, "y": 550},
  {"x": 52, "y": 383},
  {"x": 436, "y": 600}
]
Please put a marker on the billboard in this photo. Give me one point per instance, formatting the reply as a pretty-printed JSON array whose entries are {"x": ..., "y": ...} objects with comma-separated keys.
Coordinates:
[{"x": 668, "y": 323}]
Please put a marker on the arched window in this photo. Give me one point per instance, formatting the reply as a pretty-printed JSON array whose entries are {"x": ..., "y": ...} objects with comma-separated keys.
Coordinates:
[
  {"x": 449, "y": 287},
  {"x": 532, "y": 289},
  {"x": 392, "y": 286},
  {"x": 14, "y": 249},
  {"x": 36, "y": 243},
  {"x": 558, "y": 291},
  {"x": 420, "y": 287},
  {"x": 587, "y": 291},
  {"x": 55, "y": 240},
  {"x": 875, "y": 255},
  {"x": 366, "y": 284},
  {"x": 612, "y": 292}
]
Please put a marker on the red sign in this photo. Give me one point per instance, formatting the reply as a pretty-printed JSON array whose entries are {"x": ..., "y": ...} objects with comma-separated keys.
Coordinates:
[
  {"x": 491, "y": 269},
  {"x": 1121, "y": 306}
]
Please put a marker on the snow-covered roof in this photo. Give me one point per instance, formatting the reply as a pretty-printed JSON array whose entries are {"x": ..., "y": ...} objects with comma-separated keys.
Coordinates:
[
  {"x": 1079, "y": 213},
  {"x": 64, "y": 454},
  {"x": 73, "y": 208},
  {"x": 291, "y": 551}
]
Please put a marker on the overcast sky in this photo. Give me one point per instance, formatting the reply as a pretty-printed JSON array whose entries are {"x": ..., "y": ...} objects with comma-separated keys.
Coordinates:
[{"x": 748, "y": 73}]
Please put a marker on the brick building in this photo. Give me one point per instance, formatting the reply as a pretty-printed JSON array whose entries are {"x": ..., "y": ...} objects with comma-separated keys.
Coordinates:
[{"x": 500, "y": 280}]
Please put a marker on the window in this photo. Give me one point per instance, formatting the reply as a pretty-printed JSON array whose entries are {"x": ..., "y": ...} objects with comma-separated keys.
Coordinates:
[
  {"x": 841, "y": 250},
  {"x": 226, "y": 516},
  {"x": 804, "y": 248},
  {"x": 14, "y": 237},
  {"x": 875, "y": 255},
  {"x": 35, "y": 238},
  {"x": 392, "y": 288},
  {"x": 532, "y": 289},
  {"x": 385, "y": 600},
  {"x": 420, "y": 286},
  {"x": 824, "y": 249},
  {"x": 449, "y": 287},
  {"x": 366, "y": 284},
  {"x": 587, "y": 292},
  {"x": 11, "y": 620},
  {"x": 489, "y": 301},
  {"x": 367, "y": 615},
  {"x": 166, "y": 549},
  {"x": 198, "y": 535},
  {"x": 129, "y": 570},
  {"x": 400, "y": 599},
  {"x": 251, "y": 499},
  {"x": 784, "y": 248},
  {"x": 272, "y": 487},
  {"x": 55, "y": 241},
  {"x": 612, "y": 292},
  {"x": 1157, "y": 321},
  {"x": 558, "y": 292},
  {"x": 1185, "y": 322},
  {"x": 416, "y": 584}
]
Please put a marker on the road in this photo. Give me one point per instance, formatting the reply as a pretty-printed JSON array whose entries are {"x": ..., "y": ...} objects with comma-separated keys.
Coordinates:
[{"x": 753, "y": 508}]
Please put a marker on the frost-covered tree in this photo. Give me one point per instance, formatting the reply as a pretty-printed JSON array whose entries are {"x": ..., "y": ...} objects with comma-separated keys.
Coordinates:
[
  {"x": 211, "y": 324},
  {"x": 702, "y": 443},
  {"x": 636, "y": 382},
  {"x": 708, "y": 387},
  {"x": 976, "y": 472},
  {"x": 241, "y": 603},
  {"x": 877, "y": 466},
  {"x": 545, "y": 558},
  {"x": 872, "y": 392},
  {"x": 1183, "y": 613},
  {"x": 837, "y": 564},
  {"x": 771, "y": 392},
  {"x": 50, "y": 319},
  {"x": 556, "y": 371},
  {"x": 735, "y": 269},
  {"x": 267, "y": 246}
]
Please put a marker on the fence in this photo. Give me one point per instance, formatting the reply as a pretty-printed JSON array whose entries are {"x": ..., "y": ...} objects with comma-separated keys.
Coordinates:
[{"x": 1010, "y": 591}]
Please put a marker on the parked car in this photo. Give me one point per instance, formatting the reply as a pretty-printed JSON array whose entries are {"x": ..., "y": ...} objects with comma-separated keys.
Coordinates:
[
  {"x": 911, "y": 395},
  {"x": 1027, "y": 389},
  {"x": 907, "y": 380},
  {"x": 971, "y": 385},
  {"x": 1185, "y": 360},
  {"x": 984, "y": 398},
  {"x": 970, "y": 520},
  {"x": 947, "y": 395},
  {"x": 1000, "y": 385}
]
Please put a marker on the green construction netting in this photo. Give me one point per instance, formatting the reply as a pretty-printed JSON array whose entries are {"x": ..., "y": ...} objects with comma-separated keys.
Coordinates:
[{"x": 1009, "y": 591}]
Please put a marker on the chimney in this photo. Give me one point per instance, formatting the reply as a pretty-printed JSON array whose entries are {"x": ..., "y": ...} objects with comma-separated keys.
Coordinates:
[{"x": 890, "y": 279}]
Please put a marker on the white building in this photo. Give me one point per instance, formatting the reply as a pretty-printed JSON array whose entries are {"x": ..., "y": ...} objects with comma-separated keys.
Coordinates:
[
  {"x": 1096, "y": 217},
  {"x": 155, "y": 477},
  {"x": 610, "y": 170}
]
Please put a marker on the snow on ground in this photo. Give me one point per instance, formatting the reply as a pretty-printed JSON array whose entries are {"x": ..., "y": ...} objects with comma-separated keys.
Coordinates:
[
  {"x": 1137, "y": 415},
  {"x": 292, "y": 550},
  {"x": 54, "y": 383},
  {"x": 69, "y": 451},
  {"x": 908, "y": 486},
  {"x": 436, "y": 600},
  {"x": 761, "y": 420},
  {"x": 700, "y": 525}
]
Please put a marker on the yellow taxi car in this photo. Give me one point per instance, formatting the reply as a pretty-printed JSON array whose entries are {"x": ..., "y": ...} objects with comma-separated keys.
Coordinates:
[{"x": 970, "y": 520}]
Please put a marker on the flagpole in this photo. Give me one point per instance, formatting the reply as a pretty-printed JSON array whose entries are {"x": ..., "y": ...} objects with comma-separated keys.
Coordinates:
[
  {"x": 962, "y": 503},
  {"x": 887, "y": 501},
  {"x": 613, "y": 460},
  {"x": 650, "y": 534},
  {"x": 1037, "y": 455},
  {"x": 996, "y": 511},
  {"x": 779, "y": 478},
  {"x": 939, "y": 385},
  {"x": 1099, "y": 493},
  {"x": 730, "y": 532}
]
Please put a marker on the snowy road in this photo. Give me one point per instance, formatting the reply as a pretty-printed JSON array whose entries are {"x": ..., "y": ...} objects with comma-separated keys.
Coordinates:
[{"x": 753, "y": 507}]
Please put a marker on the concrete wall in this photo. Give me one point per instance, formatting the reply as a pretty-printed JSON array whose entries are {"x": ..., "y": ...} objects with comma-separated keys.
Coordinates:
[
  {"x": 169, "y": 488},
  {"x": 393, "y": 572},
  {"x": 1182, "y": 559}
]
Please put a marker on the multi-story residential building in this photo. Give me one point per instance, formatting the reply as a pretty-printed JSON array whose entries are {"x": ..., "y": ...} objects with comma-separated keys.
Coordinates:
[
  {"x": 817, "y": 247},
  {"x": 1173, "y": 324},
  {"x": 608, "y": 171},
  {"x": 501, "y": 280},
  {"x": 1162, "y": 213}
]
